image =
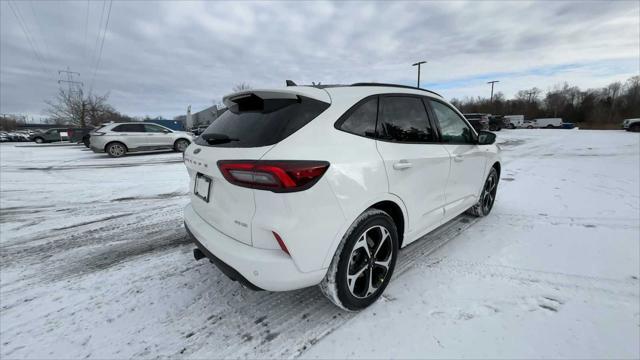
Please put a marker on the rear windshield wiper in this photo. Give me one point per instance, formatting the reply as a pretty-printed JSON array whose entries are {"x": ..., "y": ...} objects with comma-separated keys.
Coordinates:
[{"x": 213, "y": 139}]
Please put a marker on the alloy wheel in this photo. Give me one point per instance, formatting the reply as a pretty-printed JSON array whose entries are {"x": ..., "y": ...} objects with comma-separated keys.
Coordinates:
[
  {"x": 489, "y": 192},
  {"x": 182, "y": 145},
  {"x": 369, "y": 262},
  {"x": 116, "y": 150}
]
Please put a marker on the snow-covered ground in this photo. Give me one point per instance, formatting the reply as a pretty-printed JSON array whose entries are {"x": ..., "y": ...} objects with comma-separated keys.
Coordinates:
[{"x": 94, "y": 262}]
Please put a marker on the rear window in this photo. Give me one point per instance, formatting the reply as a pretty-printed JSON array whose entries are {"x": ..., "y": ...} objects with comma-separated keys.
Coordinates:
[{"x": 255, "y": 122}]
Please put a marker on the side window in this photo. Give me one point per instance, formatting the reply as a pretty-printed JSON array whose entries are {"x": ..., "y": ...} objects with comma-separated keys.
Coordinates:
[
  {"x": 404, "y": 119},
  {"x": 153, "y": 128},
  {"x": 452, "y": 127},
  {"x": 362, "y": 121},
  {"x": 129, "y": 128}
]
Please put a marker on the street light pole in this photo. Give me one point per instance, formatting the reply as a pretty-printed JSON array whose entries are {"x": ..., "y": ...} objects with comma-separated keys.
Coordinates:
[
  {"x": 418, "y": 64},
  {"x": 492, "y": 82}
]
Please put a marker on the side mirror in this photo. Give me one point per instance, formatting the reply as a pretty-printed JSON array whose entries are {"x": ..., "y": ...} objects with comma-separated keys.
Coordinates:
[{"x": 486, "y": 138}]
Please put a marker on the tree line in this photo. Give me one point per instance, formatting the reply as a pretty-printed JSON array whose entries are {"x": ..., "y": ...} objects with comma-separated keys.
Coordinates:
[{"x": 604, "y": 107}]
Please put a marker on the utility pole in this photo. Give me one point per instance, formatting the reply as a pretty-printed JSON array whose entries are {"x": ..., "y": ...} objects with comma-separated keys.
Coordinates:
[
  {"x": 492, "y": 82},
  {"x": 529, "y": 94},
  {"x": 70, "y": 82},
  {"x": 418, "y": 64}
]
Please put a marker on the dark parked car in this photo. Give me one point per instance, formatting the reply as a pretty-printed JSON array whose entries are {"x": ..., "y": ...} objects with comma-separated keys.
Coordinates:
[
  {"x": 496, "y": 122},
  {"x": 61, "y": 134},
  {"x": 479, "y": 121}
]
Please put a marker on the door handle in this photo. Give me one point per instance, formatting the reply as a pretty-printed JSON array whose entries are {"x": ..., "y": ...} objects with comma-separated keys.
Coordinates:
[
  {"x": 402, "y": 164},
  {"x": 458, "y": 158}
]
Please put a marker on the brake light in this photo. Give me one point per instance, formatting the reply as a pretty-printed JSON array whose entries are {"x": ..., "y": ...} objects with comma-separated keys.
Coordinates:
[
  {"x": 276, "y": 176},
  {"x": 280, "y": 242}
]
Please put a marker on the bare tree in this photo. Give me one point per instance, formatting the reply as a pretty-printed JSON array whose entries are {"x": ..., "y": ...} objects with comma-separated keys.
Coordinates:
[
  {"x": 240, "y": 87},
  {"x": 77, "y": 108}
]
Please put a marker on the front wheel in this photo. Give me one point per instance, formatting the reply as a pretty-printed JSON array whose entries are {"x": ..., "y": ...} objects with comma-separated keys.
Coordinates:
[
  {"x": 364, "y": 261},
  {"x": 181, "y": 145},
  {"x": 38, "y": 140},
  {"x": 488, "y": 197}
]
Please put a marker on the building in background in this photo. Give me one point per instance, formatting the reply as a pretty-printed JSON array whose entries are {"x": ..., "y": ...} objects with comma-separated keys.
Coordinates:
[
  {"x": 203, "y": 117},
  {"x": 171, "y": 124}
]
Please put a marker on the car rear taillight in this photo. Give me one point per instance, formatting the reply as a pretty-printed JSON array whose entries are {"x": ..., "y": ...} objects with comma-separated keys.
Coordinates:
[
  {"x": 283, "y": 247},
  {"x": 276, "y": 175}
]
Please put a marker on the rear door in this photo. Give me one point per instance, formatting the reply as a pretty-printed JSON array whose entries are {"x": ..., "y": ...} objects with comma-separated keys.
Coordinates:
[
  {"x": 251, "y": 127},
  {"x": 133, "y": 135},
  {"x": 157, "y": 136},
  {"x": 468, "y": 159},
  {"x": 417, "y": 164}
]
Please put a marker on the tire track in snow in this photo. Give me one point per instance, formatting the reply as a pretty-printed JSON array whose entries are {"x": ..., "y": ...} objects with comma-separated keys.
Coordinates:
[
  {"x": 624, "y": 288},
  {"x": 277, "y": 325}
]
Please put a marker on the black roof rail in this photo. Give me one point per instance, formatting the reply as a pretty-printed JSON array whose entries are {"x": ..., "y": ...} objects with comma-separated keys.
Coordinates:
[{"x": 395, "y": 85}]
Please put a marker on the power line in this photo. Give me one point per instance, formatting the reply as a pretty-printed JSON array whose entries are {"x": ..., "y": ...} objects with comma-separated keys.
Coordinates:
[
  {"x": 95, "y": 46},
  {"x": 39, "y": 30},
  {"x": 104, "y": 34},
  {"x": 27, "y": 35},
  {"x": 86, "y": 30},
  {"x": 31, "y": 34}
]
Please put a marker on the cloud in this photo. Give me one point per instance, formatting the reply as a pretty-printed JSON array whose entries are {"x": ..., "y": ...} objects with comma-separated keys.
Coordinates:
[{"x": 159, "y": 57}]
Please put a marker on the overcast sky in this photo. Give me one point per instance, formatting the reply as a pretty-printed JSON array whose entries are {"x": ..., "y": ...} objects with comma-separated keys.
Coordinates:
[{"x": 159, "y": 57}]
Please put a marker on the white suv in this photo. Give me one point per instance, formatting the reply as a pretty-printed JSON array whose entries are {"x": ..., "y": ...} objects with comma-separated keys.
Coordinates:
[
  {"x": 116, "y": 139},
  {"x": 303, "y": 185}
]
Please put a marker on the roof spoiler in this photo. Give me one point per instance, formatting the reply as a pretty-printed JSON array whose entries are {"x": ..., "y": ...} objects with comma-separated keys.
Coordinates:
[{"x": 292, "y": 92}]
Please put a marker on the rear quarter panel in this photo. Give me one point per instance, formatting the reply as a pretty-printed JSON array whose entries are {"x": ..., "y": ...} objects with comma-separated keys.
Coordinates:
[{"x": 355, "y": 179}]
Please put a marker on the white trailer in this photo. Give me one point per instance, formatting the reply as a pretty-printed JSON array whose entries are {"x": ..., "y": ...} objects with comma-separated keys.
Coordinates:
[
  {"x": 549, "y": 123},
  {"x": 514, "y": 121}
]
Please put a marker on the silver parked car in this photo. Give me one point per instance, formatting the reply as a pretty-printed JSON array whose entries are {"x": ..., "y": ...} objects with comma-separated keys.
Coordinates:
[{"x": 117, "y": 139}]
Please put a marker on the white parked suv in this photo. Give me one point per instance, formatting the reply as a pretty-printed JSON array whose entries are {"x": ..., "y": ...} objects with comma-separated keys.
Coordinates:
[
  {"x": 300, "y": 186},
  {"x": 116, "y": 139}
]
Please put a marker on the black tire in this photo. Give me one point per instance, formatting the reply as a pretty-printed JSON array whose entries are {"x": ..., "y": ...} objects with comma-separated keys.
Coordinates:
[
  {"x": 550, "y": 126},
  {"x": 181, "y": 145},
  {"x": 634, "y": 128},
  {"x": 116, "y": 149},
  {"x": 38, "y": 140},
  {"x": 487, "y": 197},
  {"x": 511, "y": 126},
  {"x": 351, "y": 258},
  {"x": 529, "y": 127}
]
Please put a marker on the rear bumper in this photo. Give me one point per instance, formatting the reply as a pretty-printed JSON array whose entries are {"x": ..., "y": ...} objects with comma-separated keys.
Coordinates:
[
  {"x": 267, "y": 269},
  {"x": 96, "y": 149}
]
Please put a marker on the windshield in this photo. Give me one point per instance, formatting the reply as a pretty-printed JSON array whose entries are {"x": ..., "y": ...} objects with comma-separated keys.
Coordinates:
[{"x": 255, "y": 122}]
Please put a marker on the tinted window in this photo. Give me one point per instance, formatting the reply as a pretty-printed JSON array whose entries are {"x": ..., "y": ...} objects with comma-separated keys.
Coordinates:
[
  {"x": 362, "y": 120},
  {"x": 254, "y": 122},
  {"x": 404, "y": 119},
  {"x": 129, "y": 128},
  {"x": 453, "y": 128},
  {"x": 153, "y": 128}
]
